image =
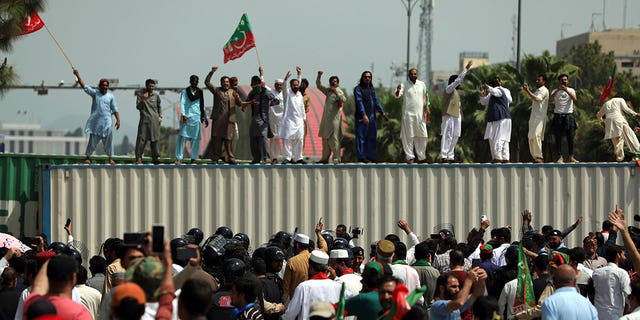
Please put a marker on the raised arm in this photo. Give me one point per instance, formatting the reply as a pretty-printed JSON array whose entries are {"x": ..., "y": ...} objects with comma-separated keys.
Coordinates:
[
  {"x": 207, "y": 80},
  {"x": 618, "y": 220},
  {"x": 77, "y": 74}
]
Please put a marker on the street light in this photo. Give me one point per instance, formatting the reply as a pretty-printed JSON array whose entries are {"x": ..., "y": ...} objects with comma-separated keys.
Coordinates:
[{"x": 409, "y": 4}]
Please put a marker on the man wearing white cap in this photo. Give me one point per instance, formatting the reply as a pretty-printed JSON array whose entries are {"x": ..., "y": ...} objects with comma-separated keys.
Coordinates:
[
  {"x": 318, "y": 288},
  {"x": 297, "y": 269},
  {"x": 341, "y": 271}
]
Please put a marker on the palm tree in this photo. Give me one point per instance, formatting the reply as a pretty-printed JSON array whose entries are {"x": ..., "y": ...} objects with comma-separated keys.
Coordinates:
[{"x": 12, "y": 14}]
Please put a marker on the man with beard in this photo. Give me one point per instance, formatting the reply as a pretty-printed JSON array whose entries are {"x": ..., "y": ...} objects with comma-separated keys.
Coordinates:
[
  {"x": 148, "y": 103},
  {"x": 275, "y": 117},
  {"x": 292, "y": 125},
  {"x": 261, "y": 99},
  {"x": 367, "y": 103},
  {"x": 554, "y": 240},
  {"x": 99, "y": 123},
  {"x": 452, "y": 299},
  {"x": 413, "y": 132},
  {"x": 223, "y": 117},
  {"x": 612, "y": 285},
  {"x": 341, "y": 271},
  {"x": 192, "y": 114},
  {"x": 304, "y": 84}
]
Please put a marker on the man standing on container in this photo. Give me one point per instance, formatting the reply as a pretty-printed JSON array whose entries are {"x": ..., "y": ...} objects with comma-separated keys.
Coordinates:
[
  {"x": 498, "y": 119},
  {"x": 451, "y": 127},
  {"x": 261, "y": 99},
  {"x": 413, "y": 132},
  {"x": 148, "y": 103},
  {"x": 275, "y": 117},
  {"x": 564, "y": 123},
  {"x": 539, "y": 105},
  {"x": 223, "y": 117},
  {"x": 192, "y": 114},
  {"x": 331, "y": 123},
  {"x": 367, "y": 103},
  {"x": 99, "y": 123},
  {"x": 292, "y": 126}
]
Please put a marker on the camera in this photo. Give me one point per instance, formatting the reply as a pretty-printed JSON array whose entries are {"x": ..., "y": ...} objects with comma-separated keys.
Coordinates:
[
  {"x": 355, "y": 232},
  {"x": 134, "y": 238},
  {"x": 564, "y": 83}
]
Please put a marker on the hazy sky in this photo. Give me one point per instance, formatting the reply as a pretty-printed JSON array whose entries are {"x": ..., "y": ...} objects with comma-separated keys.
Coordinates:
[{"x": 169, "y": 40}]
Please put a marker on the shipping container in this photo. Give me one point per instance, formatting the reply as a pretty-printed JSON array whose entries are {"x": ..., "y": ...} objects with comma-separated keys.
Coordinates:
[{"x": 106, "y": 201}]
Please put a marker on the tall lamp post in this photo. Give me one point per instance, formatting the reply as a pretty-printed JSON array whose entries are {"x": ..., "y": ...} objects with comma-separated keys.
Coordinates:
[{"x": 409, "y": 5}]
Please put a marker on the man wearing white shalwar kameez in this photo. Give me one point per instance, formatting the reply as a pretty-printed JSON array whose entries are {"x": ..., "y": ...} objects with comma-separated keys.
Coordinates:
[
  {"x": 617, "y": 128},
  {"x": 451, "y": 116},
  {"x": 275, "y": 117},
  {"x": 498, "y": 118},
  {"x": 414, "y": 125},
  {"x": 538, "y": 117},
  {"x": 318, "y": 288},
  {"x": 292, "y": 126}
]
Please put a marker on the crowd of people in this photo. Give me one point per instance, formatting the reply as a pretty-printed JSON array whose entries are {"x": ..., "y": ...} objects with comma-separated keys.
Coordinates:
[
  {"x": 328, "y": 276},
  {"x": 279, "y": 119}
]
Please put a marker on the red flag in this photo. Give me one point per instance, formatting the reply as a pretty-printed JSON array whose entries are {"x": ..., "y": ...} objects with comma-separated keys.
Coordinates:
[
  {"x": 607, "y": 89},
  {"x": 32, "y": 23},
  {"x": 240, "y": 42}
]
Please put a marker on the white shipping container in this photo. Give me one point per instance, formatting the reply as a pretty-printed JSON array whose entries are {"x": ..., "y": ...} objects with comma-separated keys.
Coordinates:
[{"x": 106, "y": 201}]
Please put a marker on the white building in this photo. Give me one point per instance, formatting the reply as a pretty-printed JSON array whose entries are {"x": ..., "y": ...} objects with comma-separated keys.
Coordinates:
[{"x": 32, "y": 138}]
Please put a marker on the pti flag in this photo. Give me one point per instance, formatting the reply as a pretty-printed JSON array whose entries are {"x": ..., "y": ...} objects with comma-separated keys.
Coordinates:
[
  {"x": 607, "y": 89},
  {"x": 32, "y": 23},
  {"x": 240, "y": 42},
  {"x": 525, "y": 297}
]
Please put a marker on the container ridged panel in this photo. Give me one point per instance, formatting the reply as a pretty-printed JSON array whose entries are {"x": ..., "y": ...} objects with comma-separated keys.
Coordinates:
[{"x": 106, "y": 201}]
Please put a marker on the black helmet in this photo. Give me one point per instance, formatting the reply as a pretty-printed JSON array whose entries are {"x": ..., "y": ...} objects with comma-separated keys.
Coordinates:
[
  {"x": 56, "y": 247},
  {"x": 72, "y": 252},
  {"x": 225, "y": 232},
  {"x": 243, "y": 238},
  {"x": 234, "y": 268},
  {"x": 328, "y": 238},
  {"x": 273, "y": 253},
  {"x": 197, "y": 235},
  {"x": 258, "y": 253},
  {"x": 283, "y": 237},
  {"x": 175, "y": 244},
  {"x": 340, "y": 243}
]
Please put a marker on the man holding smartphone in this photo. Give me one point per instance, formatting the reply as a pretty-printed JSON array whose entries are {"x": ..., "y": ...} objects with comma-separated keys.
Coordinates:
[
  {"x": 564, "y": 124},
  {"x": 148, "y": 103},
  {"x": 538, "y": 117}
]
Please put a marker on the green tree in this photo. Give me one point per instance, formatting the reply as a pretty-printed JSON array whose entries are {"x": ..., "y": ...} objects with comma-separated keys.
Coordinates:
[
  {"x": 12, "y": 14},
  {"x": 78, "y": 132}
]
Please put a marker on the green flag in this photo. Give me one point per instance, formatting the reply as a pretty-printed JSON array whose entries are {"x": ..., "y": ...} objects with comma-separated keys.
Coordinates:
[{"x": 525, "y": 297}]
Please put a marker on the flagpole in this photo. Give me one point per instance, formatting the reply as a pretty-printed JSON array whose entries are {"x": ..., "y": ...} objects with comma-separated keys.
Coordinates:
[
  {"x": 59, "y": 46},
  {"x": 258, "y": 56}
]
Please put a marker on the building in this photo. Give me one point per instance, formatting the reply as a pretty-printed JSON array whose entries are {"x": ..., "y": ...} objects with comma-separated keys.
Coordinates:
[
  {"x": 32, "y": 138},
  {"x": 625, "y": 44}
]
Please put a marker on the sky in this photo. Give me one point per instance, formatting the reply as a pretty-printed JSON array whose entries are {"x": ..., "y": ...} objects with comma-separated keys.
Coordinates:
[{"x": 169, "y": 40}]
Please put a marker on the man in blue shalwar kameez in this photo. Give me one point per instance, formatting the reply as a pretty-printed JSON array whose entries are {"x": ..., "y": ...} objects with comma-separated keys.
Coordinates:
[
  {"x": 99, "y": 123},
  {"x": 192, "y": 114}
]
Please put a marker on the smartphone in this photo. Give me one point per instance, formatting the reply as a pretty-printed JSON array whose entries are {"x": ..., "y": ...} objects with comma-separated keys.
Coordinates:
[
  {"x": 435, "y": 236},
  {"x": 134, "y": 238},
  {"x": 185, "y": 253},
  {"x": 157, "y": 238},
  {"x": 68, "y": 223},
  {"x": 475, "y": 263}
]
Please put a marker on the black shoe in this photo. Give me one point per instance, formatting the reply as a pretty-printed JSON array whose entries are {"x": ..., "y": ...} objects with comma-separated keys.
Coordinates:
[
  {"x": 193, "y": 161},
  {"x": 285, "y": 161},
  {"x": 255, "y": 162},
  {"x": 156, "y": 162},
  {"x": 301, "y": 161},
  {"x": 232, "y": 162},
  {"x": 323, "y": 161},
  {"x": 274, "y": 161},
  {"x": 365, "y": 160}
]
